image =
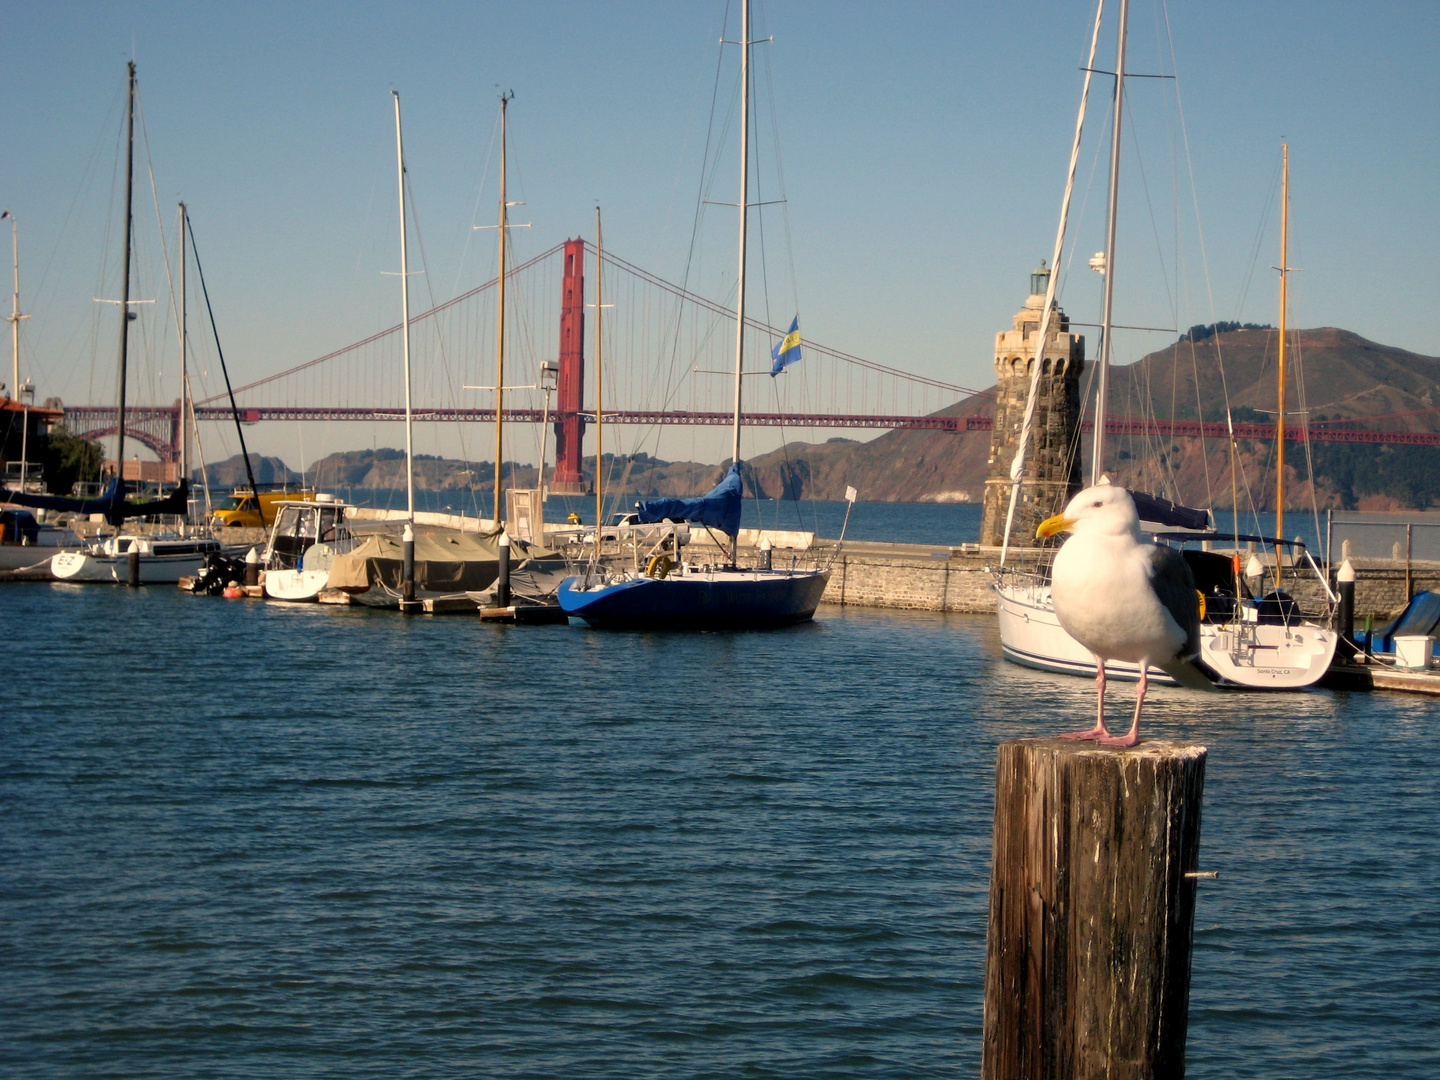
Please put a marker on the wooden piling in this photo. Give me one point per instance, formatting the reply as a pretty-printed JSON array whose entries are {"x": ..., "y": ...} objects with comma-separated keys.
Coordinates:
[{"x": 1091, "y": 910}]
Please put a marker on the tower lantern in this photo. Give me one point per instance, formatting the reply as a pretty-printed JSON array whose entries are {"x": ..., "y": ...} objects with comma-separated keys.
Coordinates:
[{"x": 1040, "y": 280}]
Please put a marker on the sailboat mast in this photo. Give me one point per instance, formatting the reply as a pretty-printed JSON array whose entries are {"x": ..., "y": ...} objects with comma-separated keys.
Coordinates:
[
  {"x": 744, "y": 217},
  {"x": 500, "y": 321},
  {"x": 184, "y": 368},
  {"x": 15, "y": 315},
  {"x": 405, "y": 315},
  {"x": 599, "y": 406},
  {"x": 125, "y": 283},
  {"x": 1102, "y": 391},
  {"x": 1280, "y": 367},
  {"x": 15, "y": 318}
]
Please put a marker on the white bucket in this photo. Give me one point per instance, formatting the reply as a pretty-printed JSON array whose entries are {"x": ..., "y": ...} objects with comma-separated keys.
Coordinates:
[{"x": 1414, "y": 652}]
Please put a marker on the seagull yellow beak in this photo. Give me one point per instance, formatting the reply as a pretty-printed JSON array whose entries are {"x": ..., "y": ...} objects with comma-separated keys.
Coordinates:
[{"x": 1052, "y": 525}]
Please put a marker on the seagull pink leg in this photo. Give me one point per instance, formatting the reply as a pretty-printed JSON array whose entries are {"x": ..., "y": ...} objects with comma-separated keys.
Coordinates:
[
  {"x": 1131, "y": 737},
  {"x": 1099, "y": 731}
]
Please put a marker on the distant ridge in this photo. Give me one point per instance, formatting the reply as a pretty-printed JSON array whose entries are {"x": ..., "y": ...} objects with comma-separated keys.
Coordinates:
[{"x": 1346, "y": 377}]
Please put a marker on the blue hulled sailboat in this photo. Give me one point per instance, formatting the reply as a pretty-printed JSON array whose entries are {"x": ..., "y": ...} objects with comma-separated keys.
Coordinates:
[{"x": 674, "y": 594}]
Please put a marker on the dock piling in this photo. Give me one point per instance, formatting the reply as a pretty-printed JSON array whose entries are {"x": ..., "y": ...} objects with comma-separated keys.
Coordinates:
[
  {"x": 502, "y": 581},
  {"x": 407, "y": 585},
  {"x": 1345, "y": 583},
  {"x": 132, "y": 577},
  {"x": 1092, "y": 903}
]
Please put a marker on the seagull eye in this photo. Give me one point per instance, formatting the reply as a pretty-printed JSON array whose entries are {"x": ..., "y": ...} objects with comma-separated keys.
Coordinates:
[{"x": 1096, "y": 505}]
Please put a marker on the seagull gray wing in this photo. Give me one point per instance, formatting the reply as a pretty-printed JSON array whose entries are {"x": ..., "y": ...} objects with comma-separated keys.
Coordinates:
[{"x": 1174, "y": 585}]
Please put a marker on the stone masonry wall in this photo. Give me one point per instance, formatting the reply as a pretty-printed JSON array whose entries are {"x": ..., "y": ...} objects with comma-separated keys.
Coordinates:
[
  {"x": 963, "y": 583},
  {"x": 959, "y": 583}
]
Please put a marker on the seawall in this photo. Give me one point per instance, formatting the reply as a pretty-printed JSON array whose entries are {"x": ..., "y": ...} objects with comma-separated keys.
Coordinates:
[
  {"x": 937, "y": 578},
  {"x": 914, "y": 576}
]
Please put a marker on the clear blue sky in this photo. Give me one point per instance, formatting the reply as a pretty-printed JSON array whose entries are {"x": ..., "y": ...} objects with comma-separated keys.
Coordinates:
[{"x": 924, "y": 147}]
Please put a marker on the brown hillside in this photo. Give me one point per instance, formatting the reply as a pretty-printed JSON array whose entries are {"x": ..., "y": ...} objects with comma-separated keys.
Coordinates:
[{"x": 1344, "y": 377}]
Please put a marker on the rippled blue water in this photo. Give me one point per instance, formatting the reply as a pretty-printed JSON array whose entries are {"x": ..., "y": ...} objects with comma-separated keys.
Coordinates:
[{"x": 243, "y": 839}]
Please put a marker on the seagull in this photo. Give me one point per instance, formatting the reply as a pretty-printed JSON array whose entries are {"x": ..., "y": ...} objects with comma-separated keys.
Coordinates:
[{"x": 1123, "y": 598}]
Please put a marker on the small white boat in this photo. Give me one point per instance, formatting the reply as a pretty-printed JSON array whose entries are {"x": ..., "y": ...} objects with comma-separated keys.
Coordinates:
[
  {"x": 26, "y": 544},
  {"x": 305, "y": 539},
  {"x": 164, "y": 560}
]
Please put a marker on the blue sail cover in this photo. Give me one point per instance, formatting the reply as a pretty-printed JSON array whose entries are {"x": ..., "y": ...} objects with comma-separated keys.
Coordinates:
[
  {"x": 112, "y": 503},
  {"x": 720, "y": 509},
  {"x": 1155, "y": 511}
]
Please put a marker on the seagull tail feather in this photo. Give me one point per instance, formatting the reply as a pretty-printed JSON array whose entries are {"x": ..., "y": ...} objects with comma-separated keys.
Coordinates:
[{"x": 1184, "y": 671}]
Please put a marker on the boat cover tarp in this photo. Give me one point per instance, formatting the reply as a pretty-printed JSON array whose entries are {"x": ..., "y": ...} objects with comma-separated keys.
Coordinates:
[
  {"x": 446, "y": 561},
  {"x": 112, "y": 503},
  {"x": 19, "y": 527},
  {"x": 1155, "y": 511},
  {"x": 1420, "y": 618},
  {"x": 720, "y": 509}
]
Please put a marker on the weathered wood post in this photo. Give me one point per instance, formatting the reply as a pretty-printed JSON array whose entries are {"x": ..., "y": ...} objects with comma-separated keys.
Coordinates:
[{"x": 1092, "y": 906}]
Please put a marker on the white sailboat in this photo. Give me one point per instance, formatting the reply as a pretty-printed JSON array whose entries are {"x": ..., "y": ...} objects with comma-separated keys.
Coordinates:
[
  {"x": 1245, "y": 641},
  {"x": 162, "y": 558},
  {"x": 26, "y": 543}
]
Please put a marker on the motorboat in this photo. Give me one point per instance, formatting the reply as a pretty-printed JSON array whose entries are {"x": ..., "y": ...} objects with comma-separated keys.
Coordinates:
[
  {"x": 306, "y": 537},
  {"x": 28, "y": 544},
  {"x": 163, "y": 559}
]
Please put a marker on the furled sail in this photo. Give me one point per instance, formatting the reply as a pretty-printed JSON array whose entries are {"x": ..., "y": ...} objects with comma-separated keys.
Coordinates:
[
  {"x": 112, "y": 503},
  {"x": 1162, "y": 515},
  {"x": 719, "y": 509}
]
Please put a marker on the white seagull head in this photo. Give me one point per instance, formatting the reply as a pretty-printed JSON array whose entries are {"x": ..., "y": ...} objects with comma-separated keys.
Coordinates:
[{"x": 1103, "y": 510}]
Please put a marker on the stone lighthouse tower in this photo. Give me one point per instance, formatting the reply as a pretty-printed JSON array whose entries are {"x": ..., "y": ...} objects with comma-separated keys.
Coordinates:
[{"x": 1052, "y": 461}]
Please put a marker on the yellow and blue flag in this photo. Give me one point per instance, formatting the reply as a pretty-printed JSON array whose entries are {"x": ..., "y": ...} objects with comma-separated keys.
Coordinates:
[{"x": 788, "y": 350}]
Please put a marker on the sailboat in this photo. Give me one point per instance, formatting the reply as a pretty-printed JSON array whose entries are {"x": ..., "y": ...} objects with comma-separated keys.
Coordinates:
[
  {"x": 1245, "y": 641},
  {"x": 1265, "y": 641},
  {"x": 25, "y": 543},
  {"x": 427, "y": 562},
  {"x": 669, "y": 593},
  {"x": 112, "y": 502}
]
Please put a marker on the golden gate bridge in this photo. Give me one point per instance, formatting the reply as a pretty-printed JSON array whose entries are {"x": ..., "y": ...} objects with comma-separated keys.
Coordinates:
[{"x": 663, "y": 342}]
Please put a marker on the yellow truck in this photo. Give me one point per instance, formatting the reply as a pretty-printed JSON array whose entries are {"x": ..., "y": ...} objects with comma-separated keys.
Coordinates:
[{"x": 245, "y": 509}]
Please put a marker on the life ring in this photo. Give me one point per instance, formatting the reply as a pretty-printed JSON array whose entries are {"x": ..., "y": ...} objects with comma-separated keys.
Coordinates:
[{"x": 659, "y": 566}]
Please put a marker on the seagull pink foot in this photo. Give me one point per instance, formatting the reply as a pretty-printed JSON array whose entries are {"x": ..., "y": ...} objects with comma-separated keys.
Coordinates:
[
  {"x": 1132, "y": 737},
  {"x": 1099, "y": 733}
]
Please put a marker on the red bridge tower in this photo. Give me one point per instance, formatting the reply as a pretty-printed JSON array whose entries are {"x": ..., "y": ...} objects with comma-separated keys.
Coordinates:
[{"x": 570, "y": 385}]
